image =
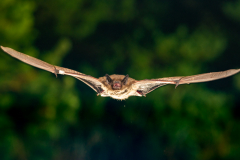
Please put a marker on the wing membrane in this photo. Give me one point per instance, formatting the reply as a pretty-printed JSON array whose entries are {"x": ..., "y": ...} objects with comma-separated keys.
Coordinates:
[
  {"x": 146, "y": 86},
  {"x": 29, "y": 60},
  {"x": 208, "y": 76},
  {"x": 205, "y": 77},
  {"x": 89, "y": 80}
]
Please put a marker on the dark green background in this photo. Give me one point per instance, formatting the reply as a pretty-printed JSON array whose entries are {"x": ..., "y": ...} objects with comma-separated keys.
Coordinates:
[{"x": 47, "y": 118}]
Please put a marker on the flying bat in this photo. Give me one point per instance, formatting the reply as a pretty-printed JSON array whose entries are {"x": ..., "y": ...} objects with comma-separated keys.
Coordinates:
[{"x": 119, "y": 86}]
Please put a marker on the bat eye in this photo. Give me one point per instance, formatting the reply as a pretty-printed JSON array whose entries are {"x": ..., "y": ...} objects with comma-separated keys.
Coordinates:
[
  {"x": 125, "y": 79},
  {"x": 109, "y": 79}
]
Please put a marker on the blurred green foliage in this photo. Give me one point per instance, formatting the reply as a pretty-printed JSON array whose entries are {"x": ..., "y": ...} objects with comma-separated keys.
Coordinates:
[{"x": 44, "y": 117}]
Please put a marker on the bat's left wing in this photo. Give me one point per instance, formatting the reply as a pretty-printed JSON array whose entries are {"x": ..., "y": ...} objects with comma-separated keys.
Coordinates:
[
  {"x": 145, "y": 86},
  {"x": 92, "y": 82}
]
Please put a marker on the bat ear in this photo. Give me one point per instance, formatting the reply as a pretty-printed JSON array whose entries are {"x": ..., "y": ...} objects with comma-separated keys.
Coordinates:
[
  {"x": 109, "y": 79},
  {"x": 125, "y": 79}
]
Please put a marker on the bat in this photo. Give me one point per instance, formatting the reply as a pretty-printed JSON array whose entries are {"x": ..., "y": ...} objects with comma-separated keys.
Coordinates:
[{"x": 120, "y": 86}]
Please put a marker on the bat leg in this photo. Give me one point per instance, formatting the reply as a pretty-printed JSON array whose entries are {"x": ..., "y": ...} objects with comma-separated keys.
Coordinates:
[
  {"x": 141, "y": 93},
  {"x": 177, "y": 82}
]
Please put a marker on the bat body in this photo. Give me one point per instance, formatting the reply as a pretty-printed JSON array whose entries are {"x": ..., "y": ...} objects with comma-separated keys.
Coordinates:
[{"x": 119, "y": 86}]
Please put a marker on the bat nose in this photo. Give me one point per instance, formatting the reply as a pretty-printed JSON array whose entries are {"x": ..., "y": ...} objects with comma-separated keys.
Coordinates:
[{"x": 117, "y": 85}]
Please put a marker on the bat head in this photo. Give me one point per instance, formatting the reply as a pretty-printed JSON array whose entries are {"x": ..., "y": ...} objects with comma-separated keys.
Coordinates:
[{"x": 116, "y": 84}]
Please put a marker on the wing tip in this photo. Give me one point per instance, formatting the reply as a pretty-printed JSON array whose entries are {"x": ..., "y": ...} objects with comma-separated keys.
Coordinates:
[{"x": 4, "y": 48}]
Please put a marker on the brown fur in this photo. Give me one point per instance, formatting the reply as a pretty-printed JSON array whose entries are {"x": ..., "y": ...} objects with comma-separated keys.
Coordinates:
[{"x": 116, "y": 77}]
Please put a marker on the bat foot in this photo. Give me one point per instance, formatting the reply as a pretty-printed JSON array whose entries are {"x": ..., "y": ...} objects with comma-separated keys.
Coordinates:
[
  {"x": 141, "y": 93},
  {"x": 99, "y": 94},
  {"x": 100, "y": 91}
]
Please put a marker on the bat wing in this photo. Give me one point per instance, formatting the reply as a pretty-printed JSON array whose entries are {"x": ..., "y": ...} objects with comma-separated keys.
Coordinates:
[
  {"x": 145, "y": 86},
  {"x": 92, "y": 82}
]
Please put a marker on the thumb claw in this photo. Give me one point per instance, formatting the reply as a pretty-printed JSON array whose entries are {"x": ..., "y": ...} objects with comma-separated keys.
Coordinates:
[
  {"x": 55, "y": 71},
  {"x": 176, "y": 85},
  {"x": 177, "y": 82}
]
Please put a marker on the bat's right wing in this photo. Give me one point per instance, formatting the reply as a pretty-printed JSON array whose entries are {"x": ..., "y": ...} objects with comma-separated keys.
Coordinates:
[
  {"x": 92, "y": 82},
  {"x": 205, "y": 77},
  {"x": 145, "y": 86}
]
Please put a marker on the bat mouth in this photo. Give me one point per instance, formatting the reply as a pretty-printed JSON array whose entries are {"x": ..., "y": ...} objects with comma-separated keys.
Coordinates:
[{"x": 117, "y": 85}]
